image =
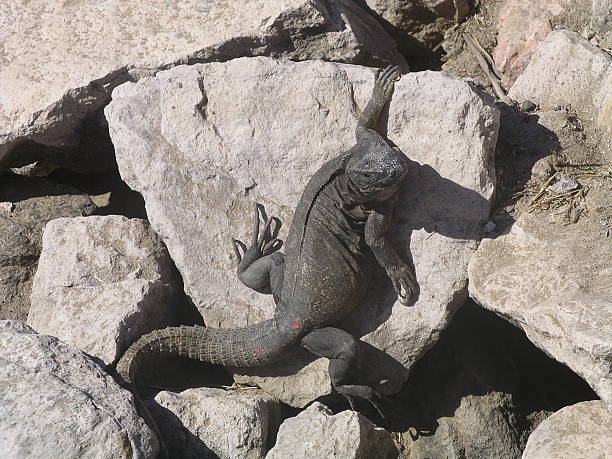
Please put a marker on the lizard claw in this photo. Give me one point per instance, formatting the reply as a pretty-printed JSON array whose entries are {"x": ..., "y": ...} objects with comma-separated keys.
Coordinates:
[{"x": 404, "y": 283}]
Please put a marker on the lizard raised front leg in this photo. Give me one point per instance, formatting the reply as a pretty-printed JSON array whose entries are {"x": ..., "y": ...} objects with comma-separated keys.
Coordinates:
[{"x": 261, "y": 265}]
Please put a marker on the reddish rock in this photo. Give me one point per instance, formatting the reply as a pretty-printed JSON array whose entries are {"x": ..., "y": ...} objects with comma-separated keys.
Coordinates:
[{"x": 522, "y": 25}]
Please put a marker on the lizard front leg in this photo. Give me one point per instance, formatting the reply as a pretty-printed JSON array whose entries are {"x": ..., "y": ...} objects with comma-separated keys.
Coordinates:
[{"x": 376, "y": 229}]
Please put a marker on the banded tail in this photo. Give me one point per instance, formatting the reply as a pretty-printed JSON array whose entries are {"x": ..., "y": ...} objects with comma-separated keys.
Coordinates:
[{"x": 255, "y": 345}]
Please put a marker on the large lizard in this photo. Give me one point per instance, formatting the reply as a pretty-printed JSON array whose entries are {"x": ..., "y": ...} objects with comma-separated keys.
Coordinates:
[{"x": 340, "y": 226}]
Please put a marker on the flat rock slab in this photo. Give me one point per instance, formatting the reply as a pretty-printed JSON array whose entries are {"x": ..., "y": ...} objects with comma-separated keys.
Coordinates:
[
  {"x": 214, "y": 423},
  {"x": 553, "y": 281},
  {"x": 317, "y": 432},
  {"x": 61, "y": 60},
  {"x": 202, "y": 142},
  {"x": 568, "y": 70},
  {"x": 101, "y": 283},
  {"x": 580, "y": 431},
  {"x": 57, "y": 402},
  {"x": 28, "y": 204}
]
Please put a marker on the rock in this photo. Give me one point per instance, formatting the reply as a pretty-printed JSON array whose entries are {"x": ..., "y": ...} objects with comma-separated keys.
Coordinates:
[
  {"x": 101, "y": 283},
  {"x": 528, "y": 106},
  {"x": 317, "y": 432},
  {"x": 34, "y": 202},
  {"x": 419, "y": 25},
  {"x": 601, "y": 21},
  {"x": 564, "y": 184},
  {"x": 522, "y": 25},
  {"x": 489, "y": 227},
  {"x": 553, "y": 281},
  {"x": 580, "y": 431},
  {"x": 57, "y": 402},
  {"x": 211, "y": 423},
  {"x": 492, "y": 387},
  {"x": 61, "y": 60},
  {"x": 568, "y": 70},
  {"x": 176, "y": 135}
]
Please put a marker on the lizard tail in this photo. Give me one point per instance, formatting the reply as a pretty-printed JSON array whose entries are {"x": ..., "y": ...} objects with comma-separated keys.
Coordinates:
[{"x": 255, "y": 345}]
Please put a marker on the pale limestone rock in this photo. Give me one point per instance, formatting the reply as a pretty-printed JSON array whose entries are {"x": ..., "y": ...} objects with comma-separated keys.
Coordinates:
[
  {"x": 203, "y": 422},
  {"x": 522, "y": 25},
  {"x": 317, "y": 432},
  {"x": 580, "y": 431},
  {"x": 201, "y": 143},
  {"x": 601, "y": 20},
  {"x": 568, "y": 70},
  {"x": 553, "y": 281},
  {"x": 32, "y": 203},
  {"x": 61, "y": 59},
  {"x": 101, "y": 283},
  {"x": 57, "y": 402}
]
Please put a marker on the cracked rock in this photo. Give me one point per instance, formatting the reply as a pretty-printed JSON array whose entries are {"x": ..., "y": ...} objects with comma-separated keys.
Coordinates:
[
  {"x": 32, "y": 203},
  {"x": 317, "y": 432},
  {"x": 214, "y": 423},
  {"x": 101, "y": 283},
  {"x": 55, "y": 401},
  {"x": 553, "y": 281},
  {"x": 61, "y": 60},
  {"x": 577, "y": 431}
]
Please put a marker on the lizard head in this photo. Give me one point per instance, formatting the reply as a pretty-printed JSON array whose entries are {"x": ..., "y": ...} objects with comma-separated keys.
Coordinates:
[{"x": 376, "y": 168}]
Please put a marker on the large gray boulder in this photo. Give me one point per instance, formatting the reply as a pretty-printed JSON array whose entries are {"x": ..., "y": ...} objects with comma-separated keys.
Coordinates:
[
  {"x": 580, "y": 431},
  {"x": 27, "y": 205},
  {"x": 214, "y": 423},
  {"x": 568, "y": 70},
  {"x": 57, "y": 402},
  {"x": 61, "y": 60},
  {"x": 217, "y": 137},
  {"x": 553, "y": 281},
  {"x": 317, "y": 432},
  {"x": 101, "y": 283}
]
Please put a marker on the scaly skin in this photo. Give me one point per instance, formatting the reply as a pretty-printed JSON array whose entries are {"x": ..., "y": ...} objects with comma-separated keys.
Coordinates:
[{"x": 338, "y": 230}]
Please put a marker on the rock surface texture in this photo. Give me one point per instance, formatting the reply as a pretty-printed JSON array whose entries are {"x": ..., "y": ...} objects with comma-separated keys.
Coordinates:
[
  {"x": 212, "y": 135},
  {"x": 61, "y": 60},
  {"x": 57, "y": 402},
  {"x": 317, "y": 432},
  {"x": 28, "y": 204},
  {"x": 564, "y": 304},
  {"x": 568, "y": 70},
  {"x": 214, "y": 423},
  {"x": 522, "y": 26},
  {"x": 580, "y": 431},
  {"x": 101, "y": 283}
]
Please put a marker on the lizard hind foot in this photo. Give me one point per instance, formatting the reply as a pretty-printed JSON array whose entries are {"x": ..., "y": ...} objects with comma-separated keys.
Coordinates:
[{"x": 352, "y": 392}]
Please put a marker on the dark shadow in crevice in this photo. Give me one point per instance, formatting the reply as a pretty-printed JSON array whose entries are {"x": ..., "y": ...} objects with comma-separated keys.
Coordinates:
[
  {"x": 122, "y": 199},
  {"x": 479, "y": 354}
]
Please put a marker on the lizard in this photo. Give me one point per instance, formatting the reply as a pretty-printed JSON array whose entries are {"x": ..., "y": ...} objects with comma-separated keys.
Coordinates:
[{"x": 339, "y": 228}]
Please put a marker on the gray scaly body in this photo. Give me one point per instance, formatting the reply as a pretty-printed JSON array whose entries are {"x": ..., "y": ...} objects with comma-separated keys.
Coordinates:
[{"x": 338, "y": 230}]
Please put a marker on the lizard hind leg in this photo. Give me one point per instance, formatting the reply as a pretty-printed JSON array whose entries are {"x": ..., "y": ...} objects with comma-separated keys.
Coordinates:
[
  {"x": 342, "y": 350},
  {"x": 261, "y": 266}
]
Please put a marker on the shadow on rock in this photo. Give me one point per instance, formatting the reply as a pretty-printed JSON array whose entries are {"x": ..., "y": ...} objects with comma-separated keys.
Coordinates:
[{"x": 481, "y": 370}]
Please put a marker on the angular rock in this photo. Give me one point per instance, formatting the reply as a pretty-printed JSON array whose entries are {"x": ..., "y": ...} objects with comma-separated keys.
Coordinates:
[
  {"x": 212, "y": 135},
  {"x": 553, "y": 281},
  {"x": 317, "y": 432},
  {"x": 33, "y": 202},
  {"x": 601, "y": 21},
  {"x": 419, "y": 25},
  {"x": 211, "y": 423},
  {"x": 57, "y": 402},
  {"x": 101, "y": 283},
  {"x": 492, "y": 387},
  {"x": 568, "y": 70},
  {"x": 580, "y": 431},
  {"x": 522, "y": 25},
  {"x": 61, "y": 60}
]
